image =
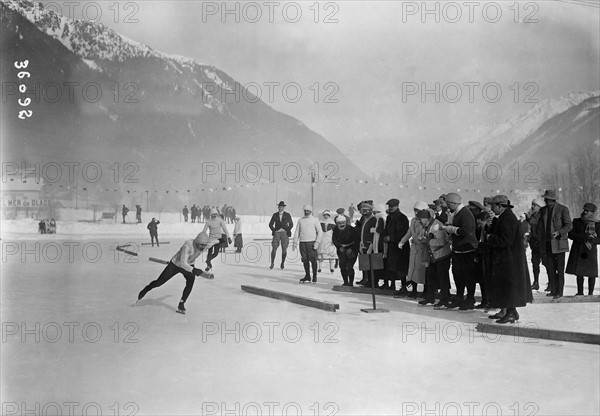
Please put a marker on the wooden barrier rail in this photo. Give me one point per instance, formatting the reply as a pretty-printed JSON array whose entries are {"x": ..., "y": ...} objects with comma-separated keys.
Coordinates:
[
  {"x": 158, "y": 260},
  {"x": 526, "y": 332},
  {"x": 301, "y": 300}
]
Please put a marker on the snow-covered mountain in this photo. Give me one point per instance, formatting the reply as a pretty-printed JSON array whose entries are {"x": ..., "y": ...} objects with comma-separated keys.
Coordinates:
[
  {"x": 492, "y": 142},
  {"x": 166, "y": 113},
  {"x": 84, "y": 38},
  {"x": 552, "y": 144}
]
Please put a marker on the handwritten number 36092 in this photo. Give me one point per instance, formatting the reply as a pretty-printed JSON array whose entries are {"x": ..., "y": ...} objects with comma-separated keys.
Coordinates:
[{"x": 23, "y": 114}]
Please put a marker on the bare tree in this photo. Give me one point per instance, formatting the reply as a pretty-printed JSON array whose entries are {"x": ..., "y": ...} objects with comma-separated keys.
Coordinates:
[{"x": 584, "y": 173}]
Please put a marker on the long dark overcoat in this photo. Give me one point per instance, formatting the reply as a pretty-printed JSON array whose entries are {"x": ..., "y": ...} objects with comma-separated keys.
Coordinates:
[
  {"x": 583, "y": 261},
  {"x": 396, "y": 226},
  {"x": 510, "y": 286}
]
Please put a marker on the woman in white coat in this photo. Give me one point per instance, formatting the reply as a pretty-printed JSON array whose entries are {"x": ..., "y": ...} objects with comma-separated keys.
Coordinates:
[{"x": 327, "y": 250}]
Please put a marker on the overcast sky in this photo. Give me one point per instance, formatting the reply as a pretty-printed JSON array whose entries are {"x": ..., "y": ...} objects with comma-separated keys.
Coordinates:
[{"x": 366, "y": 55}]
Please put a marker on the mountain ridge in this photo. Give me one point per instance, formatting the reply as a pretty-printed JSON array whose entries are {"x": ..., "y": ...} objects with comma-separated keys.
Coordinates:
[{"x": 167, "y": 113}]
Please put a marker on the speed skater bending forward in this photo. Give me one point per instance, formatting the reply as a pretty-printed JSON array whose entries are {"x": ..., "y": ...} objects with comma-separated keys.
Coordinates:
[{"x": 182, "y": 262}]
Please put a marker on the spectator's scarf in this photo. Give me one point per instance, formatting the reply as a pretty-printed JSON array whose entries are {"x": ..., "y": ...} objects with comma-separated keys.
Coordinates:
[{"x": 590, "y": 227}]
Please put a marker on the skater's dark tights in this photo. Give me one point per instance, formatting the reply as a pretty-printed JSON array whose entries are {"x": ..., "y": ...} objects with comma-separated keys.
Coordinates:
[
  {"x": 212, "y": 253},
  {"x": 170, "y": 271}
]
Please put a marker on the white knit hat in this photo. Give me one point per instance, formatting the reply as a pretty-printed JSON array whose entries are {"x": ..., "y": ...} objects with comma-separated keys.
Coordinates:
[
  {"x": 421, "y": 205},
  {"x": 379, "y": 207}
]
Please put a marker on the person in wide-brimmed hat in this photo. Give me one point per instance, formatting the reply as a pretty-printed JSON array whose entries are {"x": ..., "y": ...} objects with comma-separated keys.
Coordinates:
[
  {"x": 281, "y": 225},
  {"x": 583, "y": 258},
  {"x": 553, "y": 232},
  {"x": 510, "y": 287}
]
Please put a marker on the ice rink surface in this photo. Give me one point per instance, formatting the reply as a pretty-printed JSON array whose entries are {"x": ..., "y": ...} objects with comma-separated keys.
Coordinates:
[{"x": 74, "y": 340}]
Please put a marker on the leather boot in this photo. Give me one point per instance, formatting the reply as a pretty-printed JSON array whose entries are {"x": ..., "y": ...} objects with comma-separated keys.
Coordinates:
[{"x": 510, "y": 317}]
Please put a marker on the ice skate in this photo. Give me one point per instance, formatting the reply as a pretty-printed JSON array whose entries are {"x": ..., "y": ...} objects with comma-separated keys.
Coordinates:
[{"x": 181, "y": 308}]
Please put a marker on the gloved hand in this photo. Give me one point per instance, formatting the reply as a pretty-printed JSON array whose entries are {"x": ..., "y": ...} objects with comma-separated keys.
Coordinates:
[
  {"x": 229, "y": 240},
  {"x": 196, "y": 272},
  {"x": 349, "y": 252}
]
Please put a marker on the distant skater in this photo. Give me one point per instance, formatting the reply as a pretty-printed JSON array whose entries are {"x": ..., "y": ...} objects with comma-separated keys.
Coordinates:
[
  {"x": 182, "y": 262},
  {"x": 153, "y": 228},
  {"x": 218, "y": 233}
]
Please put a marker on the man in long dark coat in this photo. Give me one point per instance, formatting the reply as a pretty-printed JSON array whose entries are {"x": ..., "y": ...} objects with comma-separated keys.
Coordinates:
[
  {"x": 510, "y": 286},
  {"x": 396, "y": 226}
]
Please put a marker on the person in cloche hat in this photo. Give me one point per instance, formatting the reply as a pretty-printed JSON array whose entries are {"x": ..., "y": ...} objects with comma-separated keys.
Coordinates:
[{"x": 281, "y": 225}]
